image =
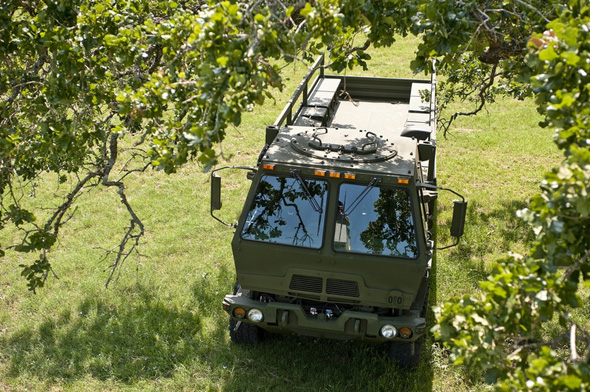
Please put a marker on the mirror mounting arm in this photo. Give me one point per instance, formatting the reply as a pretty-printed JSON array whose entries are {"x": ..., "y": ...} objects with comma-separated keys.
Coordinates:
[{"x": 459, "y": 213}]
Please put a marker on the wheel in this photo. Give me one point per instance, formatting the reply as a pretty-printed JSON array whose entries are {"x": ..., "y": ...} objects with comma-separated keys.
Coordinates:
[
  {"x": 404, "y": 354},
  {"x": 240, "y": 332},
  {"x": 407, "y": 354}
]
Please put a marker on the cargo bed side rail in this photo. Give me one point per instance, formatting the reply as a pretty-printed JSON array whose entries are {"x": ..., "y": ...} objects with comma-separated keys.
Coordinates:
[{"x": 303, "y": 89}]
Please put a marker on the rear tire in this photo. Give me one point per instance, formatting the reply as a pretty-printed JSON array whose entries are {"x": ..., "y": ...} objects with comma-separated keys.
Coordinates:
[
  {"x": 401, "y": 353},
  {"x": 245, "y": 333}
]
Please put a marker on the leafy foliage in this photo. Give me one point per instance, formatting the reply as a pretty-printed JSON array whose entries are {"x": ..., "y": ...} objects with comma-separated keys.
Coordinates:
[
  {"x": 78, "y": 77},
  {"x": 83, "y": 83},
  {"x": 499, "y": 332},
  {"x": 480, "y": 45}
]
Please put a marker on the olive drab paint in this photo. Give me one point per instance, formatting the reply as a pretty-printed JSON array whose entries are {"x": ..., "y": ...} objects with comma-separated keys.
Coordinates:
[{"x": 334, "y": 239}]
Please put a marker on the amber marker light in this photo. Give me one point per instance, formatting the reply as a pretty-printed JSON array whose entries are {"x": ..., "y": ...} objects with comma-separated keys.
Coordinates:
[
  {"x": 321, "y": 173},
  {"x": 334, "y": 175},
  {"x": 350, "y": 176},
  {"x": 403, "y": 180},
  {"x": 240, "y": 313},
  {"x": 268, "y": 167},
  {"x": 405, "y": 332}
]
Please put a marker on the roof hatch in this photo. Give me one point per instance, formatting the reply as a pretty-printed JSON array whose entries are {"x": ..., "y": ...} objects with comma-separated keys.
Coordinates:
[{"x": 345, "y": 145}]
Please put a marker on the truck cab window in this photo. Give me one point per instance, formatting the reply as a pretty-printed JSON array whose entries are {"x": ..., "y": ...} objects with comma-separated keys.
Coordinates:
[
  {"x": 282, "y": 213},
  {"x": 382, "y": 223}
]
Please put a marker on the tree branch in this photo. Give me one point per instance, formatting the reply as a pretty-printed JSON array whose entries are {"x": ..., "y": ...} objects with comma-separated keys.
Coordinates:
[
  {"x": 445, "y": 125},
  {"x": 574, "y": 267},
  {"x": 527, "y": 5}
]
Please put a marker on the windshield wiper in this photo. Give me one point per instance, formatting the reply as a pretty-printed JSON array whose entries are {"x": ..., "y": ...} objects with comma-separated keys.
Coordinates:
[
  {"x": 355, "y": 203},
  {"x": 312, "y": 201}
]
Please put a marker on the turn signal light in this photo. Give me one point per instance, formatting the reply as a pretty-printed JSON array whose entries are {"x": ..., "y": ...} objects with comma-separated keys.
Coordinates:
[
  {"x": 239, "y": 313},
  {"x": 268, "y": 167},
  {"x": 405, "y": 332}
]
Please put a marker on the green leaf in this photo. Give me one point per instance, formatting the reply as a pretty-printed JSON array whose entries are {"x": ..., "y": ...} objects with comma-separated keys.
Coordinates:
[
  {"x": 571, "y": 381},
  {"x": 306, "y": 11},
  {"x": 222, "y": 61},
  {"x": 571, "y": 58},
  {"x": 548, "y": 54}
]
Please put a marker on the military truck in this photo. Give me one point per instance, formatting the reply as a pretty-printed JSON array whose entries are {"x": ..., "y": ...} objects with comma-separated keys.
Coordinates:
[{"x": 335, "y": 236}]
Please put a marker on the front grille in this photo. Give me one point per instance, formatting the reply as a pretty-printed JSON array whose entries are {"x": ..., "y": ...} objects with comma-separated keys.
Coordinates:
[
  {"x": 346, "y": 288},
  {"x": 314, "y": 284},
  {"x": 310, "y": 284}
]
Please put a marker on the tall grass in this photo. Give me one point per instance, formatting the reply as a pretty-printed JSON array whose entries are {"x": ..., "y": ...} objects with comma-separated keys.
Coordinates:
[{"x": 161, "y": 327}]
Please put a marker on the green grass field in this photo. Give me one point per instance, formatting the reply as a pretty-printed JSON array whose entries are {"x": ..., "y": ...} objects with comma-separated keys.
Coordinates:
[{"x": 161, "y": 326}]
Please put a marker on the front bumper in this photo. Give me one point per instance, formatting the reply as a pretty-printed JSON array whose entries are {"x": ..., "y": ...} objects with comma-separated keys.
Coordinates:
[{"x": 286, "y": 317}]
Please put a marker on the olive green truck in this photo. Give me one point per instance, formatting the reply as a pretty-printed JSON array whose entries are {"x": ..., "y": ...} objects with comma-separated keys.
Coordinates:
[{"x": 335, "y": 236}]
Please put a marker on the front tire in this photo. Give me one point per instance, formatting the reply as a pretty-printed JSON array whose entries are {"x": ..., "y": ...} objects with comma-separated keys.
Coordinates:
[
  {"x": 404, "y": 354},
  {"x": 244, "y": 332}
]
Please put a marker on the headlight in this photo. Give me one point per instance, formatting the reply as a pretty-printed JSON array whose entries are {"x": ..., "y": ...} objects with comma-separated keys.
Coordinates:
[
  {"x": 255, "y": 315},
  {"x": 388, "y": 331}
]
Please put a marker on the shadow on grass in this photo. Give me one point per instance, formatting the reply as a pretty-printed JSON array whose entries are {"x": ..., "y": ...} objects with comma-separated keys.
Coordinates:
[
  {"x": 146, "y": 338},
  {"x": 295, "y": 363},
  {"x": 489, "y": 234},
  {"x": 501, "y": 223},
  {"x": 143, "y": 337},
  {"x": 140, "y": 337}
]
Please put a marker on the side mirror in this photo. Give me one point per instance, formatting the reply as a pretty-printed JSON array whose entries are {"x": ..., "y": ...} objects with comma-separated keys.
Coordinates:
[
  {"x": 216, "y": 189},
  {"x": 459, "y": 213},
  {"x": 215, "y": 192}
]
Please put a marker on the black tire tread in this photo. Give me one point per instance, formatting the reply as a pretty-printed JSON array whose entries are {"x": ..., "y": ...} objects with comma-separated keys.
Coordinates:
[
  {"x": 246, "y": 333},
  {"x": 399, "y": 352}
]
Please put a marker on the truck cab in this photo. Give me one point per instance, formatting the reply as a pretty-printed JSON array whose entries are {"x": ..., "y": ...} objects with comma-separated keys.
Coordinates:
[{"x": 334, "y": 239}]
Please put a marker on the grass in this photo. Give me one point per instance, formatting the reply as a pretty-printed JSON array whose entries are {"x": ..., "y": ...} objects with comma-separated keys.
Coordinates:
[{"x": 161, "y": 327}]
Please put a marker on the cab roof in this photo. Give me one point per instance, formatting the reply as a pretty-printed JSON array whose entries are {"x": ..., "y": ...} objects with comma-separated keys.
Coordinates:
[{"x": 382, "y": 151}]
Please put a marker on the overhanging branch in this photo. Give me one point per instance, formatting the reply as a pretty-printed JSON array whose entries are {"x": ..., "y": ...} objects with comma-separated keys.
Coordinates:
[{"x": 483, "y": 91}]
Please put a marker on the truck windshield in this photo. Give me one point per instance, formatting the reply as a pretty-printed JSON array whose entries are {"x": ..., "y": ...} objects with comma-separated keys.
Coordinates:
[
  {"x": 281, "y": 212},
  {"x": 382, "y": 222}
]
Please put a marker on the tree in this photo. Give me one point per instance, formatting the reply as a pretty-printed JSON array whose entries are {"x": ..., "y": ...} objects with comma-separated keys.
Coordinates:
[
  {"x": 499, "y": 332},
  {"x": 83, "y": 82},
  {"x": 480, "y": 46}
]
